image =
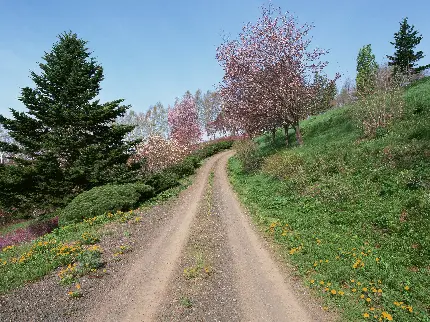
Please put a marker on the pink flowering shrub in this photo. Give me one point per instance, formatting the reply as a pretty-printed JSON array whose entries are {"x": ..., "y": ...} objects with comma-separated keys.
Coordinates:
[
  {"x": 28, "y": 233},
  {"x": 159, "y": 153}
]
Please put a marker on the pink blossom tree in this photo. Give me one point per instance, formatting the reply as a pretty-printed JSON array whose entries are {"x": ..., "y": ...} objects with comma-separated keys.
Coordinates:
[
  {"x": 183, "y": 121},
  {"x": 268, "y": 74}
]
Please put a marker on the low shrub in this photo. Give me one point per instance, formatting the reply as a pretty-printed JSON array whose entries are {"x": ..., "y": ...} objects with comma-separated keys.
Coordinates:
[
  {"x": 108, "y": 198},
  {"x": 162, "y": 181},
  {"x": 248, "y": 154},
  {"x": 283, "y": 166},
  {"x": 184, "y": 168},
  {"x": 381, "y": 106},
  {"x": 34, "y": 230},
  {"x": 210, "y": 148}
]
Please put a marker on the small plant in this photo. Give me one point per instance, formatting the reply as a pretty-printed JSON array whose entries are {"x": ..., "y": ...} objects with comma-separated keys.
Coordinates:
[
  {"x": 201, "y": 267},
  {"x": 68, "y": 275},
  {"x": 89, "y": 239},
  {"x": 121, "y": 250},
  {"x": 89, "y": 259},
  {"x": 192, "y": 272},
  {"x": 186, "y": 302},
  {"x": 76, "y": 293}
]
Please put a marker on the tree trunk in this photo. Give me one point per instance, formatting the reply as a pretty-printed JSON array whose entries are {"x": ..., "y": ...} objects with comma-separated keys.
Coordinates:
[
  {"x": 273, "y": 134},
  {"x": 298, "y": 134},
  {"x": 286, "y": 127}
]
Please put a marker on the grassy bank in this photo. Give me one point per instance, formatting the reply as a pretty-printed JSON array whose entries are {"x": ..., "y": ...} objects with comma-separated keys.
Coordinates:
[
  {"x": 73, "y": 247},
  {"x": 352, "y": 213}
]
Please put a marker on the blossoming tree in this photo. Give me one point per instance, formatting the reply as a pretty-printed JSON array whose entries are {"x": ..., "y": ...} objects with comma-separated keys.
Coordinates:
[
  {"x": 268, "y": 73},
  {"x": 183, "y": 121}
]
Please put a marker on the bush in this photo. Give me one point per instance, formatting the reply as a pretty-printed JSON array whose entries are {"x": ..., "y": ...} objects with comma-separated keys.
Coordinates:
[
  {"x": 210, "y": 148},
  {"x": 248, "y": 154},
  {"x": 162, "y": 181},
  {"x": 32, "y": 231},
  {"x": 284, "y": 166},
  {"x": 108, "y": 198},
  {"x": 184, "y": 168},
  {"x": 381, "y": 105}
]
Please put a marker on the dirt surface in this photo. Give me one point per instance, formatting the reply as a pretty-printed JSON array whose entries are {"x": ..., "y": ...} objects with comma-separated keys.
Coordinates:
[{"x": 197, "y": 258}]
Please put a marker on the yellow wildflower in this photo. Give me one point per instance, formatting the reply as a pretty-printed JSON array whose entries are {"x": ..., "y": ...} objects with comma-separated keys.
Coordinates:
[
  {"x": 387, "y": 316},
  {"x": 366, "y": 315}
]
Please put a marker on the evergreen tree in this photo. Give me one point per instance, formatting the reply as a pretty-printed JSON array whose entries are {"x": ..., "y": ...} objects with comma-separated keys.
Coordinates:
[
  {"x": 66, "y": 141},
  {"x": 404, "y": 58},
  {"x": 366, "y": 70}
]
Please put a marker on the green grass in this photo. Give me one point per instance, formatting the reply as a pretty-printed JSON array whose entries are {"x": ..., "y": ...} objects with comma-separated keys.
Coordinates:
[{"x": 349, "y": 209}]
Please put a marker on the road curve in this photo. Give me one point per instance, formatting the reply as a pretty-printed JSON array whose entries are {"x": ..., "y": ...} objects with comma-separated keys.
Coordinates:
[{"x": 246, "y": 279}]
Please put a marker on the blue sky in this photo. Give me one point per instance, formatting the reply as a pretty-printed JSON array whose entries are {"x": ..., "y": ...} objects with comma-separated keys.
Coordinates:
[{"x": 156, "y": 50}]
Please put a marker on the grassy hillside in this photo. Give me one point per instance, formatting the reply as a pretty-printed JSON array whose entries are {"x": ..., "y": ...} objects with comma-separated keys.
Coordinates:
[{"x": 352, "y": 213}]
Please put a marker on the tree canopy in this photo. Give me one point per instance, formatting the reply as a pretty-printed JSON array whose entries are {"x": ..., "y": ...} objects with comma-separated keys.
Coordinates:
[{"x": 405, "y": 58}]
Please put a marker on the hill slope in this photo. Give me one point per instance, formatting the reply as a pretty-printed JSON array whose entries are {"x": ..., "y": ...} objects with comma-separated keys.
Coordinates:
[{"x": 352, "y": 214}]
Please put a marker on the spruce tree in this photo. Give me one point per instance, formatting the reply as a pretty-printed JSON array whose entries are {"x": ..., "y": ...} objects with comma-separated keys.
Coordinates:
[
  {"x": 66, "y": 141},
  {"x": 405, "y": 58}
]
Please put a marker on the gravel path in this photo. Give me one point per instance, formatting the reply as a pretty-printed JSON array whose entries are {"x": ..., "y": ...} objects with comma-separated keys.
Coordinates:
[{"x": 197, "y": 258}]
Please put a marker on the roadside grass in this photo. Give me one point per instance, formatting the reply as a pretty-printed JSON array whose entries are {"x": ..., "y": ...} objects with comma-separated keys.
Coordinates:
[
  {"x": 352, "y": 213},
  {"x": 72, "y": 247}
]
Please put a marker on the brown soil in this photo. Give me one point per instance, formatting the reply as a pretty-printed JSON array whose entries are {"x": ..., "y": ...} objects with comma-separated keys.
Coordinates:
[{"x": 196, "y": 258}]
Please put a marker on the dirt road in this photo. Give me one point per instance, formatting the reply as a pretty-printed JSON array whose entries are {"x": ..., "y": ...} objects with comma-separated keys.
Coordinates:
[
  {"x": 196, "y": 258},
  {"x": 208, "y": 264}
]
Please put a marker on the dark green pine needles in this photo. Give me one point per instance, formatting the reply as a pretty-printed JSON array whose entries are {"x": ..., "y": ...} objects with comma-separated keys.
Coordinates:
[{"x": 66, "y": 141}]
